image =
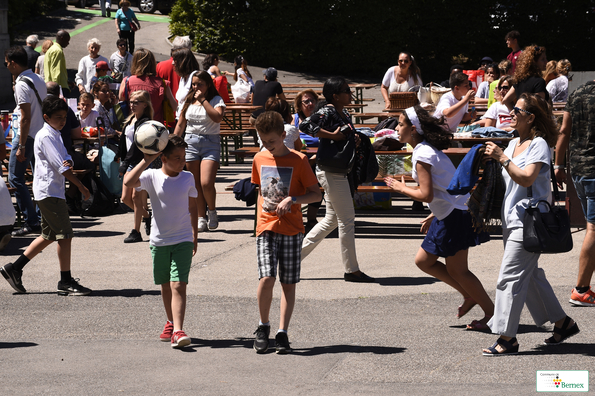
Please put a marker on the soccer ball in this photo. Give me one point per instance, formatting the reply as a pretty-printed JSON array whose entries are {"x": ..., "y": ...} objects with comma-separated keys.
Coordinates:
[{"x": 151, "y": 137}]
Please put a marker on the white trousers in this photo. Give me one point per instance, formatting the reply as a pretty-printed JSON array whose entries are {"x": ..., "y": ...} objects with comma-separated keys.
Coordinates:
[
  {"x": 522, "y": 282},
  {"x": 339, "y": 212}
]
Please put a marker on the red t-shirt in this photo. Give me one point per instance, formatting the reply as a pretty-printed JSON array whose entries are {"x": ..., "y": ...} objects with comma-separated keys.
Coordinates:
[
  {"x": 275, "y": 175},
  {"x": 154, "y": 86},
  {"x": 513, "y": 56},
  {"x": 166, "y": 71}
]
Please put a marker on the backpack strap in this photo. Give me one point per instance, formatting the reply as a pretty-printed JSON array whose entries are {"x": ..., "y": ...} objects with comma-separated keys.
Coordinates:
[{"x": 31, "y": 85}]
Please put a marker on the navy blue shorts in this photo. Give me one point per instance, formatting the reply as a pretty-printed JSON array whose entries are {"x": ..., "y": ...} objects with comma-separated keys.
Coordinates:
[{"x": 452, "y": 234}]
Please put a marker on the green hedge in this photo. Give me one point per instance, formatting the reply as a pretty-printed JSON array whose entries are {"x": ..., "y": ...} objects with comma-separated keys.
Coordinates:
[{"x": 363, "y": 38}]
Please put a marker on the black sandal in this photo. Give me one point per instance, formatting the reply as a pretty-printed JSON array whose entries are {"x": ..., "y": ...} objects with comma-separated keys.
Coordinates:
[
  {"x": 510, "y": 349},
  {"x": 564, "y": 332}
]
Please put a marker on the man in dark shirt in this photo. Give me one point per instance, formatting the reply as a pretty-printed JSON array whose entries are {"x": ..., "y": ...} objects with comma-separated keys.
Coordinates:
[
  {"x": 32, "y": 55},
  {"x": 265, "y": 89},
  {"x": 578, "y": 135}
]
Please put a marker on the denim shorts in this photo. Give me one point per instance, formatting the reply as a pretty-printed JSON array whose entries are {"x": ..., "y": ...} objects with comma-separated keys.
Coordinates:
[
  {"x": 202, "y": 147},
  {"x": 585, "y": 189}
]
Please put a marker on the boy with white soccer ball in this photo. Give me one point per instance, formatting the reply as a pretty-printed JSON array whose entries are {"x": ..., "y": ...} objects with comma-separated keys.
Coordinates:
[{"x": 174, "y": 229}]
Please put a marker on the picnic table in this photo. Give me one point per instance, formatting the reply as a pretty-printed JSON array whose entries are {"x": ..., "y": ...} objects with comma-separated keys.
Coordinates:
[
  {"x": 234, "y": 121},
  {"x": 358, "y": 95}
]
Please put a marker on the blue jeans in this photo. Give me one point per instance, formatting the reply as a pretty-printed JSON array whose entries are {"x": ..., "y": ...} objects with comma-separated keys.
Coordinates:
[
  {"x": 16, "y": 178},
  {"x": 585, "y": 190}
]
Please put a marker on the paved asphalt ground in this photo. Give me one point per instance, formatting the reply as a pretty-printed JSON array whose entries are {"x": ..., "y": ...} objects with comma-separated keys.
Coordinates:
[{"x": 398, "y": 336}]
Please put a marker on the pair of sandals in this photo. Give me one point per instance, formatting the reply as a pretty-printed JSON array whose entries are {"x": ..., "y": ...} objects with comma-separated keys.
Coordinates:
[{"x": 509, "y": 347}]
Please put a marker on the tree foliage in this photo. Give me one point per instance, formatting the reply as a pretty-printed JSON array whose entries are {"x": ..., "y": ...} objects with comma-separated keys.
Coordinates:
[
  {"x": 22, "y": 10},
  {"x": 364, "y": 38}
]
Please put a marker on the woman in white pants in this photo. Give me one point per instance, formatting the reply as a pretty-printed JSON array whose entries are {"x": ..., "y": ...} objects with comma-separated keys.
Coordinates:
[
  {"x": 525, "y": 164},
  {"x": 334, "y": 122}
]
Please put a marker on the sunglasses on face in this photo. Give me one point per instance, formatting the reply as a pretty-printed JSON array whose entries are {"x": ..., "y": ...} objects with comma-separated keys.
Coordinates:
[
  {"x": 503, "y": 87},
  {"x": 517, "y": 111}
]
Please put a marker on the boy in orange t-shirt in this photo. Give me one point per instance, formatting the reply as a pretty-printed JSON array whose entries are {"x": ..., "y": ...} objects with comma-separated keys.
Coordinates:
[{"x": 286, "y": 181}]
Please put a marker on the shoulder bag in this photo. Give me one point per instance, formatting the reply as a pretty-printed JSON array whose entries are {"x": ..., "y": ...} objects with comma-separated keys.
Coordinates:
[
  {"x": 168, "y": 112},
  {"x": 547, "y": 232},
  {"x": 337, "y": 156}
]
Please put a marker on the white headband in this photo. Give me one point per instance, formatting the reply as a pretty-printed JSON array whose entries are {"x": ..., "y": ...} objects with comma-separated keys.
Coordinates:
[{"x": 414, "y": 119}]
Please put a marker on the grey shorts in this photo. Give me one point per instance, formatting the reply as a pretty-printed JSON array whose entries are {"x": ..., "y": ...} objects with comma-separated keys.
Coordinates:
[{"x": 202, "y": 147}]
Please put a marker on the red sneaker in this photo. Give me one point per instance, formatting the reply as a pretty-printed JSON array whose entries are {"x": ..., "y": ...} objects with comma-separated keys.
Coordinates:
[
  {"x": 587, "y": 299},
  {"x": 167, "y": 332},
  {"x": 179, "y": 339}
]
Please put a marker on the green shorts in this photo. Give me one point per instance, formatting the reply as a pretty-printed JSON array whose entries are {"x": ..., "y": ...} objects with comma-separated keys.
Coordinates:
[
  {"x": 172, "y": 263},
  {"x": 55, "y": 220}
]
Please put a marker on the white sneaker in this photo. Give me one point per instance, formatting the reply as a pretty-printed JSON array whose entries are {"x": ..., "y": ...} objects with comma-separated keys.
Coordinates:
[
  {"x": 213, "y": 221},
  {"x": 202, "y": 224}
]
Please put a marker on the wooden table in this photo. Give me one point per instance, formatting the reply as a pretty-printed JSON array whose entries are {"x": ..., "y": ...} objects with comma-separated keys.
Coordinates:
[{"x": 236, "y": 110}]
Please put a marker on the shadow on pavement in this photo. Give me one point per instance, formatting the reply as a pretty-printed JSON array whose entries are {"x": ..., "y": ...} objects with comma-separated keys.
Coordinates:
[
  {"x": 324, "y": 350},
  {"x": 20, "y": 344},
  {"x": 125, "y": 293},
  {"x": 563, "y": 349},
  {"x": 406, "y": 281}
]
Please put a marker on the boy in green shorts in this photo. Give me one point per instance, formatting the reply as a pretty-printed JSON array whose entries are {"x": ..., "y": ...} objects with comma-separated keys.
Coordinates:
[
  {"x": 286, "y": 181},
  {"x": 174, "y": 230},
  {"x": 52, "y": 166}
]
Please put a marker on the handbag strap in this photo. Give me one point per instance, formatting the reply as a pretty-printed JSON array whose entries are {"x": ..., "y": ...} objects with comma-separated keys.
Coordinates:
[{"x": 554, "y": 184}]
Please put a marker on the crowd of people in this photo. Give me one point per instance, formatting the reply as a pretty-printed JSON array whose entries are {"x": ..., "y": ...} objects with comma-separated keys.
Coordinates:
[{"x": 179, "y": 182}]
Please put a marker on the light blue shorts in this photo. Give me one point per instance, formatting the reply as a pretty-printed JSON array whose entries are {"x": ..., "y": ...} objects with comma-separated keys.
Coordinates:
[
  {"x": 202, "y": 147},
  {"x": 585, "y": 189}
]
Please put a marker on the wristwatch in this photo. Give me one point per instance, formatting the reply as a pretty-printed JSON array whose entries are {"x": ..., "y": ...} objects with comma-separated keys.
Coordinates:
[
  {"x": 294, "y": 200},
  {"x": 506, "y": 163},
  {"x": 559, "y": 167},
  {"x": 21, "y": 146}
]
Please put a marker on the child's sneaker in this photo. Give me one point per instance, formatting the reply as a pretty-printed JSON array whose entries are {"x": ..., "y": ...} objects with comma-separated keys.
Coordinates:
[
  {"x": 213, "y": 221},
  {"x": 168, "y": 331},
  {"x": 72, "y": 288},
  {"x": 202, "y": 224},
  {"x": 13, "y": 277},
  {"x": 586, "y": 299},
  {"x": 261, "y": 342},
  {"x": 179, "y": 339},
  {"x": 282, "y": 343}
]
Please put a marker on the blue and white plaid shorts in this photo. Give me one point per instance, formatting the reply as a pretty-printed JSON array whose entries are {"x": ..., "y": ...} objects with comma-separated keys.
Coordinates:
[{"x": 286, "y": 250}]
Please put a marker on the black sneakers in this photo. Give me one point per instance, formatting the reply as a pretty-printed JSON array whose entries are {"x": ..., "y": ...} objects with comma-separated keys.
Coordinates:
[
  {"x": 133, "y": 237},
  {"x": 26, "y": 230},
  {"x": 261, "y": 342},
  {"x": 282, "y": 343},
  {"x": 13, "y": 277},
  {"x": 72, "y": 288}
]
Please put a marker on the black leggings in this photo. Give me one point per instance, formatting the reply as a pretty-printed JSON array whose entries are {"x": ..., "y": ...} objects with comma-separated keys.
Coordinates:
[{"x": 129, "y": 36}]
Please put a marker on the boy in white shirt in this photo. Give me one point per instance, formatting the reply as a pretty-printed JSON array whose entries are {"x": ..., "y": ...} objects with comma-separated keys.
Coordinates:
[
  {"x": 52, "y": 166},
  {"x": 174, "y": 230},
  {"x": 454, "y": 104}
]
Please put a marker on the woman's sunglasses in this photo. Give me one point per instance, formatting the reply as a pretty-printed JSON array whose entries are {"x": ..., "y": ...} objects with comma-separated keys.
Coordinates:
[
  {"x": 503, "y": 87},
  {"x": 518, "y": 110}
]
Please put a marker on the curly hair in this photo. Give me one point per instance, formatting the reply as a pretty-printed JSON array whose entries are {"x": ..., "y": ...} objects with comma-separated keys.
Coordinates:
[
  {"x": 297, "y": 102},
  {"x": 543, "y": 125},
  {"x": 564, "y": 67},
  {"x": 526, "y": 65},
  {"x": 435, "y": 130}
]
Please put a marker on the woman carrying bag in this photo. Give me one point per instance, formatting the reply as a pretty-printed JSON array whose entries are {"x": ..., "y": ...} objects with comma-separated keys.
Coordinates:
[
  {"x": 332, "y": 124},
  {"x": 525, "y": 164}
]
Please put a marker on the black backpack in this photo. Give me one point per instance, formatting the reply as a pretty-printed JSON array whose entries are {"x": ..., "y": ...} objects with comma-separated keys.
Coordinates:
[
  {"x": 389, "y": 123},
  {"x": 102, "y": 201}
]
